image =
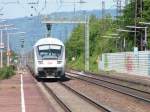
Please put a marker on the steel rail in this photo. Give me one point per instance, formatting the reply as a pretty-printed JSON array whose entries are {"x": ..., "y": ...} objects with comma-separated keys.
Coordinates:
[
  {"x": 60, "y": 102},
  {"x": 97, "y": 82},
  {"x": 86, "y": 98},
  {"x": 107, "y": 80},
  {"x": 50, "y": 91}
]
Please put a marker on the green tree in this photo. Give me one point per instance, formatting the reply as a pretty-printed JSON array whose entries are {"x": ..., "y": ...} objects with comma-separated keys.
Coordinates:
[
  {"x": 128, "y": 18},
  {"x": 75, "y": 44}
]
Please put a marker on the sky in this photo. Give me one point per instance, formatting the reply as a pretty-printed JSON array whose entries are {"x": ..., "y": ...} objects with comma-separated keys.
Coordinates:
[{"x": 26, "y": 8}]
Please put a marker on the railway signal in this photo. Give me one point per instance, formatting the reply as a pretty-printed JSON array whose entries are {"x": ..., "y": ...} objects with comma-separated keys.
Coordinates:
[{"x": 86, "y": 23}]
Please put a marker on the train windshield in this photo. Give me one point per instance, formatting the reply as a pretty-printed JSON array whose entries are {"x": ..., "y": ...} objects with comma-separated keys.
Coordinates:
[{"x": 50, "y": 51}]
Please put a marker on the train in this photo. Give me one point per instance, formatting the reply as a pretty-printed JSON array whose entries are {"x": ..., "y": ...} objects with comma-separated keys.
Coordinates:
[{"x": 47, "y": 59}]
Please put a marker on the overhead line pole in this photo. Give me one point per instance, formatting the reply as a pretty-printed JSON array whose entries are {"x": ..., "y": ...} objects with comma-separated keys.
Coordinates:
[
  {"x": 1, "y": 42},
  {"x": 145, "y": 28},
  {"x": 87, "y": 44},
  {"x": 135, "y": 22},
  {"x": 8, "y": 45},
  {"x": 124, "y": 40},
  {"x": 86, "y": 23},
  {"x": 8, "y": 49},
  {"x": 103, "y": 14},
  {"x": 3, "y": 27}
]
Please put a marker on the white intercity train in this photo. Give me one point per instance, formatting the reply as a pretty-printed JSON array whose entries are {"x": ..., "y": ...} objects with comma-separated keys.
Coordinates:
[{"x": 48, "y": 58}]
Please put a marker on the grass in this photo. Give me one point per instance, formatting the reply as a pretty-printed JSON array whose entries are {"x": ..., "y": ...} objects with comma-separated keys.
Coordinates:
[
  {"x": 78, "y": 64},
  {"x": 7, "y": 72}
]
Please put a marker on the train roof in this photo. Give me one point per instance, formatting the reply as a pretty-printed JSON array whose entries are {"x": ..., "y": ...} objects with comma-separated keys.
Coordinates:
[{"x": 48, "y": 40}]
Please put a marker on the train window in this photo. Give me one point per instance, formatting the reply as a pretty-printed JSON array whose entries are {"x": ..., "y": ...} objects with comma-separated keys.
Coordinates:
[
  {"x": 43, "y": 47},
  {"x": 50, "y": 51},
  {"x": 55, "y": 47}
]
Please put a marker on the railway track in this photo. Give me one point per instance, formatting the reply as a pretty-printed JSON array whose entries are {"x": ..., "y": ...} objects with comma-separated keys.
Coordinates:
[
  {"x": 138, "y": 94},
  {"x": 67, "y": 107},
  {"x": 56, "y": 93},
  {"x": 60, "y": 102}
]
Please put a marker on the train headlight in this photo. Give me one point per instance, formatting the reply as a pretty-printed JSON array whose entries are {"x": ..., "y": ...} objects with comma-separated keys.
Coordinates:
[
  {"x": 59, "y": 62},
  {"x": 40, "y": 62}
]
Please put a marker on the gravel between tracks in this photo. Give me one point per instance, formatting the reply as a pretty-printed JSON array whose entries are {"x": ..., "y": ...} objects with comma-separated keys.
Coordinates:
[
  {"x": 116, "y": 101},
  {"x": 139, "y": 79},
  {"x": 75, "y": 103},
  {"x": 145, "y": 80},
  {"x": 133, "y": 81}
]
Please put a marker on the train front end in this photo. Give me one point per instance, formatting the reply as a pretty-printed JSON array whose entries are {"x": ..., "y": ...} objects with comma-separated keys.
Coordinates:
[{"x": 50, "y": 60}]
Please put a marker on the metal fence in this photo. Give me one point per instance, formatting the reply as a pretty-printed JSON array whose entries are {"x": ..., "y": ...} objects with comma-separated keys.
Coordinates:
[{"x": 126, "y": 62}]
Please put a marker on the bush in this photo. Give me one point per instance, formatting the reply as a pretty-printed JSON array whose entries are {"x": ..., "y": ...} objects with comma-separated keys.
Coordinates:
[{"x": 7, "y": 72}]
